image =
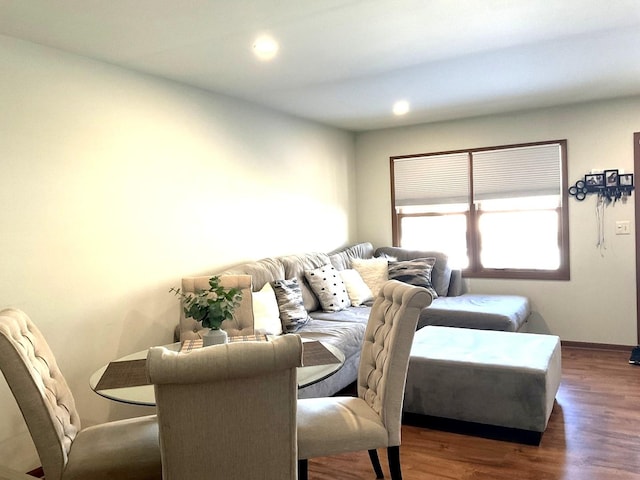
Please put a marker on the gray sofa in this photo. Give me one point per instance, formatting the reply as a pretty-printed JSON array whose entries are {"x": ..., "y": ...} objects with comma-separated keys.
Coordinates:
[{"x": 345, "y": 328}]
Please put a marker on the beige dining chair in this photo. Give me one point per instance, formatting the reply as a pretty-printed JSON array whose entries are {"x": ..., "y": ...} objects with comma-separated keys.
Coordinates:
[
  {"x": 120, "y": 450},
  {"x": 372, "y": 420},
  {"x": 228, "y": 411},
  {"x": 9, "y": 474}
]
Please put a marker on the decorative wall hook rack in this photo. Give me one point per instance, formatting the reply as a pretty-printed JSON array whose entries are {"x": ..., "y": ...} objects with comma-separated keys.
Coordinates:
[{"x": 609, "y": 184}]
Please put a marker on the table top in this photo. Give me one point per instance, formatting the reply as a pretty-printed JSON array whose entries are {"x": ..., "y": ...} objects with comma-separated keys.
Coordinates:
[{"x": 144, "y": 394}]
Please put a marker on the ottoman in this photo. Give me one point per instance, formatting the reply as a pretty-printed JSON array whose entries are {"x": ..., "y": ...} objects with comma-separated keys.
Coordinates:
[{"x": 505, "y": 379}]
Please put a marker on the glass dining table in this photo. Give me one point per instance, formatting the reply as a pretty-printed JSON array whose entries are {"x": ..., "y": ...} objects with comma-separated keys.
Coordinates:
[{"x": 132, "y": 387}]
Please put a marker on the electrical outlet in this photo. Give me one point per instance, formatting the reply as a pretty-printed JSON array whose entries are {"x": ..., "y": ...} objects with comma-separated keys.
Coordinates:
[{"x": 623, "y": 227}]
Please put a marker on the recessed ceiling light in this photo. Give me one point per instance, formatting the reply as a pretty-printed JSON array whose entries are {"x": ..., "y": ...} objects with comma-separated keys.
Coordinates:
[
  {"x": 265, "y": 47},
  {"x": 401, "y": 107}
]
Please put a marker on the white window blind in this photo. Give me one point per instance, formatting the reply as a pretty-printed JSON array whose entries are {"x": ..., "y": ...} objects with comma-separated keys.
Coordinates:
[
  {"x": 431, "y": 180},
  {"x": 517, "y": 172}
]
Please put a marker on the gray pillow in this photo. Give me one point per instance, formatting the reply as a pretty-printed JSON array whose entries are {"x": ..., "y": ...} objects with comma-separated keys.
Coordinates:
[
  {"x": 329, "y": 287},
  {"x": 293, "y": 315},
  {"x": 441, "y": 273},
  {"x": 414, "y": 272}
]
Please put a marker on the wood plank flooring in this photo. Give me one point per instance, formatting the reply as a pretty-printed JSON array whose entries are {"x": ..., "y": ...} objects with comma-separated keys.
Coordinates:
[{"x": 593, "y": 434}]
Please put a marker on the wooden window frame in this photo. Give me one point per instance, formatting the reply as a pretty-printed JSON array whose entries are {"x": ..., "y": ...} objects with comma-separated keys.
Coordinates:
[{"x": 475, "y": 269}]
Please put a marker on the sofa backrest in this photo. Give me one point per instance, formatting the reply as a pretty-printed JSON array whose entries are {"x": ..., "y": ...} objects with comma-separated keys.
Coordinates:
[
  {"x": 342, "y": 257},
  {"x": 261, "y": 271},
  {"x": 295, "y": 266}
]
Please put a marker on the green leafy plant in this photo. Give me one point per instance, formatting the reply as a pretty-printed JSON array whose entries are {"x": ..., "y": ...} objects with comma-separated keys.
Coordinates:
[{"x": 212, "y": 306}]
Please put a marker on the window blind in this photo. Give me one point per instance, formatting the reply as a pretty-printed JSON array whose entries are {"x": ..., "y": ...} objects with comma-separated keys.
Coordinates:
[
  {"x": 517, "y": 172},
  {"x": 431, "y": 180}
]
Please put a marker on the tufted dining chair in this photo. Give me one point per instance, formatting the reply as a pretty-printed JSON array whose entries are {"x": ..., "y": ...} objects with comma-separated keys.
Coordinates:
[
  {"x": 372, "y": 420},
  {"x": 8, "y": 474},
  {"x": 242, "y": 322},
  {"x": 120, "y": 450},
  {"x": 228, "y": 411}
]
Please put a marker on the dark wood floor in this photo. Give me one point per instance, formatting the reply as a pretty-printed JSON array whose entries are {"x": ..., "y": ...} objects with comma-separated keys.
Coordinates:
[{"x": 593, "y": 434}]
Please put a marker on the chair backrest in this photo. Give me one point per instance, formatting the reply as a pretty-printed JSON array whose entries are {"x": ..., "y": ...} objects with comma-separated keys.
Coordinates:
[
  {"x": 41, "y": 391},
  {"x": 228, "y": 411},
  {"x": 385, "y": 351},
  {"x": 242, "y": 322},
  {"x": 8, "y": 474}
]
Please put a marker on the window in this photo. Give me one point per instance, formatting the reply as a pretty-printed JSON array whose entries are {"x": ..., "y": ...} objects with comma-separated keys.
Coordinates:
[{"x": 497, "y": 212}]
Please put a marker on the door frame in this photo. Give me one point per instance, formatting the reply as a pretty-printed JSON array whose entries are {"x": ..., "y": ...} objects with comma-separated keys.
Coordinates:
[{"x": 636, "y": 168}]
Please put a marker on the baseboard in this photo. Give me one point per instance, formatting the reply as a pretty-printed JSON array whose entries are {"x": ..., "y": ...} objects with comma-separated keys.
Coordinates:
[{"x": 597, "y": 346}]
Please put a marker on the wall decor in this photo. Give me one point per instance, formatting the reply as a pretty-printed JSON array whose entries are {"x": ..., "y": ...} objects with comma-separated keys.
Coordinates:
[{"x": 609, "y": 185}]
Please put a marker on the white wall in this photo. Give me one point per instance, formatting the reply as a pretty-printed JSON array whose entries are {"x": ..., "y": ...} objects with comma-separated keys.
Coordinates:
[
  {"x": 599, "y": 303},
  {"x": 116, "y": 184}
]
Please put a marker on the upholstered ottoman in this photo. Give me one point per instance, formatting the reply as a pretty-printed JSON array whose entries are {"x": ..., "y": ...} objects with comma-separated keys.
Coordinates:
[{"x": 505, "y": 379}]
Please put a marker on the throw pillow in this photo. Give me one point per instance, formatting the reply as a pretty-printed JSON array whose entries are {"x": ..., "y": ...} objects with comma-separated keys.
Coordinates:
[
  {"x": 358, "y": 291},
  {"x": 266, "y": 316},
  {"x": 414, "y": 272},
  {"x": 374, "y": 272},
  {"x": 328, "y": 286},
  {"x": 293, "y": 315}
]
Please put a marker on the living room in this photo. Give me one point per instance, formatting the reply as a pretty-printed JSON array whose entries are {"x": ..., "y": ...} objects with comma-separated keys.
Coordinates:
[{"x": 118, "y": 183}]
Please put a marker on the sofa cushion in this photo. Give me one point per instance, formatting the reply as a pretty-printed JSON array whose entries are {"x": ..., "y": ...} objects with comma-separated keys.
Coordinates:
[
  {"x": 358, "y": 291},
  {"x": 348, "y": 315},
  {"x": 328, "y": 286},
  {"x": 441, "y": 274},
  {"x": 296, "y": 265},
  {"x": 374, "y": 272},
  {"x": 347, "y": 336},
  {"x": 508, "y": 313},
  {"x": 292, "y": 312},
  {"x": 414, "y": 272}
]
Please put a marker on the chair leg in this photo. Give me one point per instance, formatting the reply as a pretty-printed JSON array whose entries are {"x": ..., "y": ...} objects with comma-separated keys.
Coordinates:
[
  {"x": 375, "y": 461},
  {"x": 303, "y": 467},
  {"x": 393, "y": 453}
]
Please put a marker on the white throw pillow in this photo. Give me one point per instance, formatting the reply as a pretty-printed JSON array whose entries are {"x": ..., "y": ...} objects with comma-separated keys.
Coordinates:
[
  {"x": 266, "y": 316},
  {"x": 357, "y": 289},
  {"x": 374, "y": 272},
  {"x": 328, "y": 286}
]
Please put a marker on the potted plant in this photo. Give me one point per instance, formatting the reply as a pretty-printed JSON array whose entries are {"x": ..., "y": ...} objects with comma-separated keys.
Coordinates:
[{"x": 211, "y": 307}]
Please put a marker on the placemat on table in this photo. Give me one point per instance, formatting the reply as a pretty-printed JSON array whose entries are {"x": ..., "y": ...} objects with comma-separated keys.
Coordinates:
[
  {"x": 128, "y": 373},
  {"x": 315, "y": 353},
  {"x": 189, "y": 345},
  {"x": 193, "y": 344},
  {"x": 258, "y": 337}
]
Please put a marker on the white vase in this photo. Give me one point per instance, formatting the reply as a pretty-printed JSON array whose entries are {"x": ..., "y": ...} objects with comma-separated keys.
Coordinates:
[{"x": 214, "y": 337}]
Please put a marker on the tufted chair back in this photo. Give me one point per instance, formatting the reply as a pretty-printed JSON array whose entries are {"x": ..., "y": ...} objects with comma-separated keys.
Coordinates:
[
  {"x": 242, "y": 322},
  {"x": 228, "y": 411},
  {"x": 39, "y": 388},
  {"x": 386, "y": 350}
]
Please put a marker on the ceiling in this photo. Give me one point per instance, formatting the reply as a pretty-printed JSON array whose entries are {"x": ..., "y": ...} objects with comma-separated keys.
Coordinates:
[{"x": 345, "y": 62}]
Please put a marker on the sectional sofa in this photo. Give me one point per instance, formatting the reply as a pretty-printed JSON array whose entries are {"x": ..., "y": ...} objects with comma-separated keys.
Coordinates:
[{"x": 344, "y": 327}]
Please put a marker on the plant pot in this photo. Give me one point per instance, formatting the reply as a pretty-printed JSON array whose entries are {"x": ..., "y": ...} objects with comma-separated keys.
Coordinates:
[{"x": 214, "y": 337}]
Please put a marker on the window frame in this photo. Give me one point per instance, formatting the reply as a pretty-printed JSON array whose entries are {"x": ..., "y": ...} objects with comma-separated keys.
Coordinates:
[{"x": 475, "y": 269}]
